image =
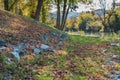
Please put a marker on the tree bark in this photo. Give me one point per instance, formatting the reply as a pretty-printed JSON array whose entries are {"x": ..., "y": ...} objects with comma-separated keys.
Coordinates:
[
  {"x": 37, "y": 14},
  {"x": 6, "y": 5},
  {"x": 58, "y": 15},
  {"x": 63, "y": 28},
  {"x": 110, "y": 15},
  {"x": 16, "y": 7},
  {"x": 63, "y": 14}
]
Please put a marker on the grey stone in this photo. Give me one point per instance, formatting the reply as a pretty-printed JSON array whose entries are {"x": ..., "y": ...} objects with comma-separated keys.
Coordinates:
[
  {"x": 109, "y": 62},
  {"x": 23, "y": 52},
  {"x": 44, "y": 47},
  {"x": 118, "y": 61},
  {"x": 53, "y": 34},
  {"x": 54, "y": 50},
  {"x": 8, "y": 60},
  {"x": 115, "y": 44},
  {"x": 32, "y": 47},
  {"x": 3, "y": 43},
  {"x": 64, "y": 36},
  {"x": 115, "y": 75},
  {"x": 44, "y": 37},
  {"x": 37, "y": 51},
  {"x": 59, "y": 35},
  {"x": 105, "y": 51},
  {"x": 117, "y": 72},
  {"x": 25, "y": 41},
  {"x": 118, "y": 77},
  {"x": 18, "y": 48},
  {"x": 18, "y": 51},
  {"x": 114, "y": 56},
  {"x": 16, "y": 55},
  {"x": 26, "y": 46},
  {"x": 60, "y": 42},
  {"x": 7, "y": 76},
  {"x": 2, "y": 48}
]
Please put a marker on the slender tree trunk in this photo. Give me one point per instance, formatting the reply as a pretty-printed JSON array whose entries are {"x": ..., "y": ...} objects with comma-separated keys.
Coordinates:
[
  {"x": 37, "y": 14},
  {"x": 63, "y": 14},
  {"x": 108, "y": 20},
  {"x": 43, "y": 14},
  {"x": 58, "y": 15},
  {"x": 63, "y": 28},
  {"x": 16, "y": 7},
  {"x": 110, "y": 15},
  {"x": 6, "y": 5},
  {"x": 104, "y": 20}
]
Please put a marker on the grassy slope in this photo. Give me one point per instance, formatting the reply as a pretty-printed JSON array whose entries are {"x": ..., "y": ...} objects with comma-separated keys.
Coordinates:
[
  {"x": 78, "y": 59},
  {"x": 18, "y": 28}
]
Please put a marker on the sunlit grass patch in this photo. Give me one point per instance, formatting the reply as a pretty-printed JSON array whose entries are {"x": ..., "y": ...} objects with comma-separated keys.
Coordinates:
[
  {"x": 82, "y": 39},
  {"x": 117, "y": 49},
  {"x": 61, "y": 52},
  {"x": 37, "y": 77},
  {"x": 44, "y": 73},
  {"x": 77, "y": 37},
  {"x": 76, "y": 77},
  {"x": 117, "y": 66}
]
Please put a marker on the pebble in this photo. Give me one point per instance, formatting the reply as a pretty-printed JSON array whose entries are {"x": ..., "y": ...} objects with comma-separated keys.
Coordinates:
[{"x": 37, "y": 51}]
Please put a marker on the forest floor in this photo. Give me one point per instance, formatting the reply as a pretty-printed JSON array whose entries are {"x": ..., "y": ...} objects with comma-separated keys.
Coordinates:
[{"x": 68, "y": 58}]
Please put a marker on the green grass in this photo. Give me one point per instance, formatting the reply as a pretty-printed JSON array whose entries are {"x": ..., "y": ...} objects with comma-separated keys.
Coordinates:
[
  {"x": 82, "y": 39},
  {"x": 43, "y": 78},
  {"x": 77, "y": 68},
  {"x": 76, "y": 77},
  {"x": 117, "y": 49}
]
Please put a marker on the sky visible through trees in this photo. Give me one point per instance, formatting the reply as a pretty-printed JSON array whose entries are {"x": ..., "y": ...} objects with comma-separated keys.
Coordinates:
[{"x": 89, "y": 7}]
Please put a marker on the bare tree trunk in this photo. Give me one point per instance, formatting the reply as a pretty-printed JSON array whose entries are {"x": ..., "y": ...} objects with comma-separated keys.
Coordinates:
[
  {"x": 37, "y": 14},
  {"x": 9, "y": 7},
  {"x": 6, "y": 5},
  {"x": 58, "y": 15},
  {"x": 16, "y": 7},
  {"x": 63, "y": 14},
  {"x": 63, "y": 28},
  {"x": 110, "y": 15}
]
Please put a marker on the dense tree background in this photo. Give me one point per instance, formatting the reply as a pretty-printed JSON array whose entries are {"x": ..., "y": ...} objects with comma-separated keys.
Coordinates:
[{"x": 88, "y": 22}]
